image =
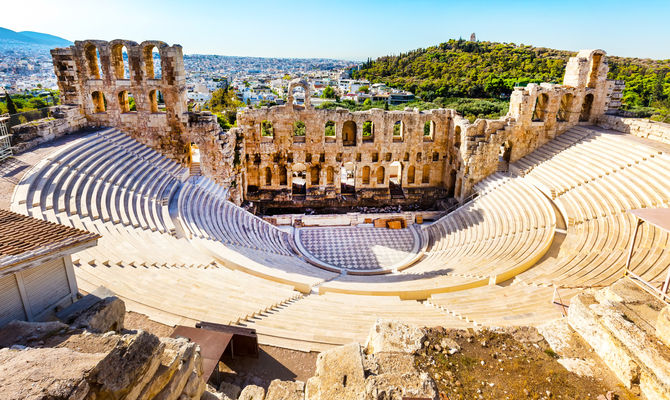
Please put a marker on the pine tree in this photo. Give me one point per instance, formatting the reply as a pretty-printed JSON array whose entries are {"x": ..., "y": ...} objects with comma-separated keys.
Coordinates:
[{"x": 11, "y": 107}]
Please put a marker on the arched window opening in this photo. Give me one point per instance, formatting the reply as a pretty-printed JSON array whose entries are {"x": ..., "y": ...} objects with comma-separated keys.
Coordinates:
[
  {"x": 268, "y": 176},
  {"x": 329, "y": 132},
  {"x": 267, "y": 130},
  {"x": 253, "y": 180},
  {"x": 395, "y": 179},
  {"x": 418, "y": 156},
  {"x": 425, "y": 175},
  {"x": 282, "y": 175},
  {"x": 330, "y": 176},
  {"x": 315, "y": 174},
  {"x": 349, "y": 133},
  {"x": 127, "y": 102},
  {"x": 410, "y": 174},
  {"x": 406, "y": 157},
  {"x": 452, "y": 183},
  {"x": 457, "y": 138},
  {"x": 366, "y": 175},
  {"x": 539, "y": 113},
  {"x": 156, "y": 101},
  {"x": 368, "y": 131},
  {"x": 298, "y": 95},
  {"x": 428, "y": 131},
  {"x": 120, "y": 62},
  {"x": 436, "y": 156},
  {"x": 595, "y": 66},
  {"x": 398, "y": 131},
  {"x": 348, "y": 178},
  {"x": 585, "y": 114},
  {"x": 298, "y": 179},
  {"x": 381, "y": 175},
  {"x": 152, "y": 62},
  {"x": 99, "y": 102},
  {"x": 93, "y": 60},
  {"x": 299, "y": 132},
  {"x": 564, "y": 109}
]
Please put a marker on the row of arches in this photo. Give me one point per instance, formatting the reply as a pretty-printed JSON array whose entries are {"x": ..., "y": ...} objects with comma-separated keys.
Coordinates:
[
  {"x": 127, "y": 103},
  {"x": 301, "y": 174},
  {"x": 349, "y": 131},
  {"x": 540, "y": 112},
  {"x": 120, "y": 65}
]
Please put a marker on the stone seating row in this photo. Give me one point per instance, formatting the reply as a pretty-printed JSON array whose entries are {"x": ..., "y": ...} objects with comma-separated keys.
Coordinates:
[
  {"x": 99, "y": 178},
  {"x": 120, "y": 245},
  {"x": 316, "y": 323},
  {"x": 496, "y": 236},
  {"x": 597, "y": 252},
  {"x": 592, "y": 157},
  {"x": 291, "y": 270},
  {"x": 512, "y": 305},
  {"x": 212, "y": 294},
  {"x": 207, "y": 214},
  {"x": 599, "y": 228}
]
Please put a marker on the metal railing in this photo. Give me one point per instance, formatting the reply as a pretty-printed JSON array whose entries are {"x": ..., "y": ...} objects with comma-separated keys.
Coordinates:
[{"x": 5, "y": 142}]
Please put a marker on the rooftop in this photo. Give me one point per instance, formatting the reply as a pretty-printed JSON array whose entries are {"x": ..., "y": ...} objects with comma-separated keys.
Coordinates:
[{"x": 24, "y": 238}]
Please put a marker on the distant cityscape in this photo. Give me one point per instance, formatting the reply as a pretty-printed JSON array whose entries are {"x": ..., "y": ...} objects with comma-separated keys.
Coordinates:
[{"x": 26, "y": 68}]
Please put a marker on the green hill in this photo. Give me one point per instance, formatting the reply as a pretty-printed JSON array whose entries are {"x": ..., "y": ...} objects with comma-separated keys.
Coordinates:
[{"x": 460, "y": 68}]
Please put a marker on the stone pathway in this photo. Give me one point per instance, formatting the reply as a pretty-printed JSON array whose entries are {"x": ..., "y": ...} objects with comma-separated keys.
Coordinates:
[{"x": 359, "y": 248}]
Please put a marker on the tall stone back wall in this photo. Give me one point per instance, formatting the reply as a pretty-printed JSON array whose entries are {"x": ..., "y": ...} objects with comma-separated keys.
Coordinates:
[
  {"x": 454, "y": 158},
  {"x": 420, "y": 147},
  {"x": 100, "y": 78}
]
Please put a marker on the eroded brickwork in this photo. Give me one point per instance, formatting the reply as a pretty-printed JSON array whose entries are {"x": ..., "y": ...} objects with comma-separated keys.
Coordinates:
[
  {"x": 297, "y": 155},
  {"x": 437, "y": 153},
  {"x": 141, "y": 89}
]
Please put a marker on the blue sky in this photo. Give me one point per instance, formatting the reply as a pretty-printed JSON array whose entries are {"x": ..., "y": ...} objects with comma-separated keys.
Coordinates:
[{"x": 353, "y": 29}]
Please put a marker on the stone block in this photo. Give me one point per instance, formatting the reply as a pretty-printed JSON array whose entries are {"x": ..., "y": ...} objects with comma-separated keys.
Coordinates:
[
  {"x": 339, "y": 374},
  {"x": 106, "y": 315},
  {"x": 393, "y": 336},
  {"x": 285, "y": 390},
  {"x": 252, "y": 392}
]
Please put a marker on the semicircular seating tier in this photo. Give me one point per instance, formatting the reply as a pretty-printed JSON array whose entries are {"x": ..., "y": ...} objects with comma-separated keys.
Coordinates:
[
  {"x": 594, "y": 177},
  {"x": 176, "y": 250},
  {"x": 488, "y": 240}
]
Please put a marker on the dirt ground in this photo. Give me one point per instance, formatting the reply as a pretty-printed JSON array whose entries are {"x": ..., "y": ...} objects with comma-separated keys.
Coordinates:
[{"x": 502, "y": 365}]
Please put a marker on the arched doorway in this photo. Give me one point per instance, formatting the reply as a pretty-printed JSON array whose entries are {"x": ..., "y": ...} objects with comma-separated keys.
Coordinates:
[
  {"x": 298, "y": 179},
  {"x": 395, "y": 180},
  {"x": 348, "y": 178},
  {"x": 349, "y": 133},
  {"x": 585, "y": 115}
]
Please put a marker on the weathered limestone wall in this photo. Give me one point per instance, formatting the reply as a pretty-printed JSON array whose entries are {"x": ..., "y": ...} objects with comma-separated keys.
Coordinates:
[
  {"x": 456, "y": 156},
  {"x": 94, "y": 75},
  {"x": 429, "y": 156},
  {"x": 270, "y": 161},
  {"x": 537, "y": 114},
  {"x": 640, "y": 127},
  {"x": 62, "y": 120}
]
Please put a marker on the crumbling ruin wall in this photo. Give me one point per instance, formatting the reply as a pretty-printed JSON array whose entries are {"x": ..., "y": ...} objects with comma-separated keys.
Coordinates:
[
  {"x": 419, "y": 148},
  {"x": 640, "y": 127},
  {"x": 454, "y": 156},
  {"x": 61, "y": 121},
  {"x": 537, "y": 114}
]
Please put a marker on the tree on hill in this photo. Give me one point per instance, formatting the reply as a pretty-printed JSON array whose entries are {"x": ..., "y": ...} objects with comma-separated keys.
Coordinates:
[
  {"x": 460, "y": 68},
  {"x": 11, "y": 107},
  {"x": 329, "y": 93}
]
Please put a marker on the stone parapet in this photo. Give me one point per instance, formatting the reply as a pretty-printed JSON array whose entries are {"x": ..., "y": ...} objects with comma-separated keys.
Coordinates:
[{"x": 640, "y": 127}]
